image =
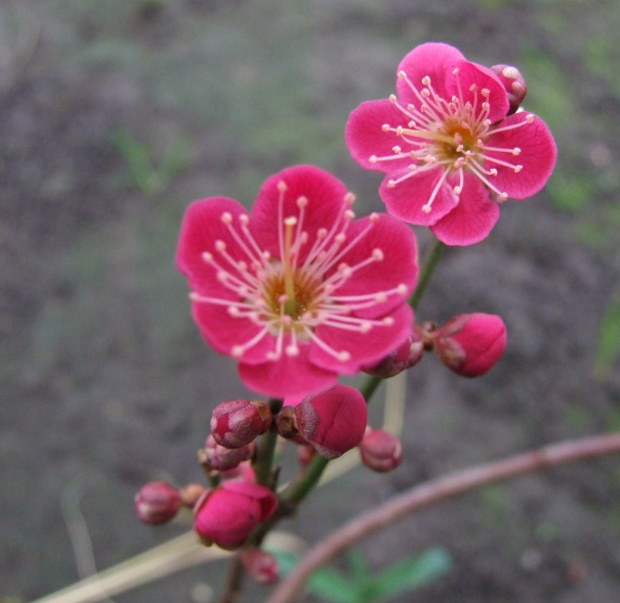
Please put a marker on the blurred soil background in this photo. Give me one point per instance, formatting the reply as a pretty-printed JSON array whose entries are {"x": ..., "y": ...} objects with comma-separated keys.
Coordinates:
[{"x": 115, "y": 114}]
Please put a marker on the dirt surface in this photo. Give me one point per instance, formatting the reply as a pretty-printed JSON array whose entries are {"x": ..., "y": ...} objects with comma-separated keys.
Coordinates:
[{"x": 115, "y": 115}]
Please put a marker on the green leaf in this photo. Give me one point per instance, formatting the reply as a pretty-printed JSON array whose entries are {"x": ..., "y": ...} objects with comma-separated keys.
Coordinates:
[
  {"x": 326, "y": 582},
  {"x": 609, "y": 339},
  {"x": 411, "y": 573}
]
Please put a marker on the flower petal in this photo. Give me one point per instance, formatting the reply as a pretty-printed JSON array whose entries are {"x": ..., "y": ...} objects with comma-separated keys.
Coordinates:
[
  {"x": 537, "y": 156},
  {"x": 405, "y": 199},
  {"x": 472, "y": 219},
  {"x": 397, "y": 246},
  {"x": 224, "y": 332},
  {"x": 364, "y": 348},
  {"x": 433, "y": 59},
  {"x": 325, "y": 195},
  {"x": 468, "y": 84},
  {"x": 365, "y": 137},
  {"x": 293, "y": 376},
  {"x": 202, "y": 226}
]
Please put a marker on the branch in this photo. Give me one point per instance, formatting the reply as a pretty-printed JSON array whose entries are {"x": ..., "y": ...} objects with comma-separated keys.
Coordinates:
[{"x": 438, "y": 490}]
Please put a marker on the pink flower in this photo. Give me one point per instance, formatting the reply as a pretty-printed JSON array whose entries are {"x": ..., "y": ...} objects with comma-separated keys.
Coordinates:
[
  {"x": 227, "y": 514},
  {"x": 449, "y": 148},
  {"x": 470, "y": 344},
  {"x": 299, "y": 292}
]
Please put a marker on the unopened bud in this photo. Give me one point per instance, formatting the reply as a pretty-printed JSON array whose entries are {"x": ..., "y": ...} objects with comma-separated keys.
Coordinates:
[
  {"x": 471, "y": 344},
  {"x": 408, "y": 353},
  {"x": 226, "y": 515},
  {"x": 332, "y": 421},
  {"x": 214, "y": 457},
  {"x": 514, "y": 83},
  {"x": 380, "y": 450},
  {"x": 285, "y": 423},
  {"x": 190, "y": 494},
  {"x": 157, "y": 503},
  {"x": 260, "y": 565},
  {"x": 238, "y": 422}
]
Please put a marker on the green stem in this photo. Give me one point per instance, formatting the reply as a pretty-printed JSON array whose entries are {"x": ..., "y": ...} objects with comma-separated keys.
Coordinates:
[
  {"x": 263, "y": 465},
  {"x": 300, "y": 487},
  {"x": 429, "y": 263}
]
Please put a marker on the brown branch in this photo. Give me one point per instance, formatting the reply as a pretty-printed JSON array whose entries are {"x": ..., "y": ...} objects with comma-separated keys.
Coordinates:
[{"x": 438, "y": 490}]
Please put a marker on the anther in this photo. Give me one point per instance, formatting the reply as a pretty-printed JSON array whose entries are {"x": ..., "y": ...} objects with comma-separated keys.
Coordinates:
[
  {"x": 386, "y": 127},
  {"x": 292, "y": 350},
  {"x": 426, "y": 208},
  {"x": 237, "y": 351},
  {"x": 377, "y": 255},
  {"x": 426, "y": 80},
  {"x": 350, "y": 197},
  {"x": 373, "y": 159},
  {"x": 374, "y": 217},
  {"x": 391, "y": 183},
  {"x": 207, "y": 257},
  {"x": 302, "y": 202},
  {"x": 401, "y": 289},
  {"x": 402, "y": 75},
  {"x": 344, "y": 356},
  {"x": 220, "y": 245},
  {"x": 282, "y": 186},
  {"x": 226, "y": 217}
]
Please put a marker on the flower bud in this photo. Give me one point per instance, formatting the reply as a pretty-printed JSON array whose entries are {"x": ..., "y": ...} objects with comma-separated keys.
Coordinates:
[
  {"x": 238, "y": 422},
  {"x": 214, "y": 457},
  {"x": 285, "y": 423},
  {"x": 471, "y": 344},
  {"x": 514, "y": 82},
  {"x": 226, "y": 515},
  {"x": 157, "y": 503},
  {"x": 260, "y": 565},
  {"x": 332, "y": 421},
  {"x": 403, "y": 357},
  {"x": 380, "y": 450},
  {"x": 191, "y": 494}
]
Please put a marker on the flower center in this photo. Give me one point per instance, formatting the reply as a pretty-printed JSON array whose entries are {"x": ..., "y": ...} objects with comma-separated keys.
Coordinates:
[
  {"x": 451, "y": 135},
  {"x": 289, "y": 297}
]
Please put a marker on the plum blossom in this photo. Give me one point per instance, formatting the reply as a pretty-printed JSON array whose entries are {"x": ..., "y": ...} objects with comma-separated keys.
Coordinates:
[
  {"x": 299, "y": 291},
  {"x": 451, "y": 150}
]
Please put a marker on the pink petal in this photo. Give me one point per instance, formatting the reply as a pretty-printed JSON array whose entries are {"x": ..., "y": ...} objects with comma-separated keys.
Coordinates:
[
  {"x": 471, "y": 79},
  {"x": 537, "y": 156},
  {"x": 399, "y": 264},
  {"x": 405, "y": 200},
  {"x": 433, "y": 59},
  {"x": 365, "y": 137},
  {"x": 472, "y": 219},
  {"x": 364, "y": 348},
  {"x": 201, "y": 227},
  {"x": 325, "y": 195},
  {"x": 223, "y": 332},
  {"x": 288, "y": 376}
]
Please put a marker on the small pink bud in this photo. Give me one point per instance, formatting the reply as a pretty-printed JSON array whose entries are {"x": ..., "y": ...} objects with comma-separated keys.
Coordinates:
[
  {"x": 471, "y": 344},
  {"x": 380, "y": 450},
  {"x": 403, "y": 357},
  {"x": 157, "y": 503},
  {"x": 238, "y": 422},
  {"x": 305, "y": 454},
  {"x": 190, "y": 494},
  {"x": 332, "y": 421},
  {"x": 226, "y": 515},
  {"x": 260, "y": 565},
  {"x": 514, "y": 82},
  {"x": 214, "y": 457}
]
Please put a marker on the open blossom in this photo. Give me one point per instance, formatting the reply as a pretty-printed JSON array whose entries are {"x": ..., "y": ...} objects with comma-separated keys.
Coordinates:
[
  {"x": 298, "y": 292},
  {"x": 449, "y": 145}
]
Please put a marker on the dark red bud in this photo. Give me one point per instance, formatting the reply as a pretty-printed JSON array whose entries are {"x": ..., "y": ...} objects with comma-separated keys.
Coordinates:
[
  {"x": 260, "y": 565},
  {"x": 514, "y": 83},
  {"x": 157, "y": 503},
  {"x": 214, "y": 457},
  {"x": 332, "y": 421},
  {"x": 238, "y": 422},
  {"x": 226, "y": 515},
  {"x": 471, "y": 344},
  {"x": 380, "y": 450}
]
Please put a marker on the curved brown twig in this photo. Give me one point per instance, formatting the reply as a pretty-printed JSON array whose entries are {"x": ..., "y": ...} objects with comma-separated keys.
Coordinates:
[{"x": 438, "y": 490}]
